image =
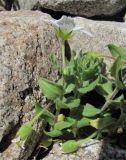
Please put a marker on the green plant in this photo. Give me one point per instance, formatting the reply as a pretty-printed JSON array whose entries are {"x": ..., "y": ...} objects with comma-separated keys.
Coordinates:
[{"x": 78, "y": 77}]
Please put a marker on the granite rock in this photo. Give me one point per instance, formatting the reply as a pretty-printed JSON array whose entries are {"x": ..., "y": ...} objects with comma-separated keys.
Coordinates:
[
  {"x": 26, "y": 39},
  {"x": 25, "y": 43},
  {"x": 91, "y": 150},
  {"x": 86, "y": 8}
]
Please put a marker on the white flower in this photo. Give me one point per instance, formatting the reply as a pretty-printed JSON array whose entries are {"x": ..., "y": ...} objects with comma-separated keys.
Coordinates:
[{"x": 68, "y": 25}]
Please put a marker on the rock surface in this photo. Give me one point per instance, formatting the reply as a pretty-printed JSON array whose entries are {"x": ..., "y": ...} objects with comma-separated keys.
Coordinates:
[
  {"x": 5, "y": 5},
  {"x": 92, "y": 150},
  {"x": 86, "y": 8},
  {"x": 103, "y": 33},
  {"x": 26, "y": 39}
]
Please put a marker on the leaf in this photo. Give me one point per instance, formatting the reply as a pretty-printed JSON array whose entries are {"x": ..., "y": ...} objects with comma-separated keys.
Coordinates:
[
  {"x": 89, "y": 88},
  {"x": 117, "y": 103},
  {"x": 24, "y": 132},
  {"x": 70, "y": 146},
  {"x": 38, "y": 108},
  {"x": 104, "y": 89},
  {"x": 72, "y": 103},
  {"x": 70, "y": 88},
  {"x": 69, "y": 70},
  {"x": 70, "y": 119},
  {"x": 46, "y": 141},
  {"x": 50, "y": 89},
  {"x": 63, "y": 125},
  {"x": 53, "y": 58},
  {"x": 47, "y": 115},
  {"x": 86, "y": 83},
  {"x": 106, "y": 122},
  {"x": 117, "y": 51},
  {"x": 68, "y": 103},
  {"x": 54, "y": 133},
  {"x": 83, "y": 122},
  {"x": 90, "y": 111},
  {"x": 116, "y": 72}
]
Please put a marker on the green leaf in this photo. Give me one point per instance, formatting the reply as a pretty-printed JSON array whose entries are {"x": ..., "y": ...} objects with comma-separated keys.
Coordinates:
[
  {"x": 24, "y": 132},
  {"x": 50, "y": 89},
  {"x": 46, "y": 141},
  {"x": 68, "y": 103},
  {"x": 116, "y": 72},
  {"x": 88, "y": 88},
  {"x": 63, "y": 125},
  {"x": 53, "y": 58},
  {"x": 72, "y": 103},
  {"x": 90, "y": 111},
  {"x": 54, "y": 133},
  {"x": 104, "y": 89},
  {"x": 70, "y": 88},
  {"x": 38, "y": 108},
  {"x": 117, "y": 51},
  {"x": 106, "y": 122},
  {"x": 70, "y": 146},
  {"x": 70, "y": 119},
  {"x": 46, "y": 115},
  {"x": 86, "y": 83},
  {"x": 83, "y": 122}
]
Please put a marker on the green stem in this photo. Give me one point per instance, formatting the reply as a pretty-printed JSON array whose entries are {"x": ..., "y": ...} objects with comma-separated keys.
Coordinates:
[
  {"x": 88, "y": 138},
  {"x": 57, "y": 110},
  {"x": 36, "y": 117},
  {"x": 63, "y": 54},
  {"x": 106, "y": 105},
  {"x": 113, "y": 58}
]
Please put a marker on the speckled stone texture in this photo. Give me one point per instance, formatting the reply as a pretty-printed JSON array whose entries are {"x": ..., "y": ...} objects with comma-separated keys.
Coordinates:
[
  {"x": 86, "y": 8},
  {"x": 92, "y": 150},
  {"x": 25, "y": 43},
  {"x": 26, "y": 39}
]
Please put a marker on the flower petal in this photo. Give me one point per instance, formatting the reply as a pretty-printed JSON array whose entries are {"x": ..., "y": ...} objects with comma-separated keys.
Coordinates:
[{"x": 78, "y": 28}]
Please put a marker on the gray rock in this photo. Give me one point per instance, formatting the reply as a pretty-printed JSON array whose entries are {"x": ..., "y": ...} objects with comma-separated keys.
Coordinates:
[
  {"x": 26, "y": 39},
  {"x": 25, "y": 43},
  {"x": 103, "y": 33},
  {"x": 24, "y": 4},
  {"x": 92, "y": 150},
  {"x": 5, "y": 5},
  {"x": 86, "y": 8}
]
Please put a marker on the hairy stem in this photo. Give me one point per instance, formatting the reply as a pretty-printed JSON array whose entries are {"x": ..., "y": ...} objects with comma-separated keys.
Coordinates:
[
  {"x": 88, "y": 138},
  {"x": 36, "y": 117},
  {"x": 113, "y": 58},
  {"x": 116, "y": 90},
  {"x": 63, "y": 55}
]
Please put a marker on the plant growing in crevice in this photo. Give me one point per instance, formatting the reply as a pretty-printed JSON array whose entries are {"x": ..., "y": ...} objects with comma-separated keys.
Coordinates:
[{"x": 82, "y": 74}]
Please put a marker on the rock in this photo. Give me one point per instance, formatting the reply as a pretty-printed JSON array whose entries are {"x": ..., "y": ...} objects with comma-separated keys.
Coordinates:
[
  {"x": 103, "y": 33},
  {"x": 86, "y": 8},
  {"x": 124, "y": 18},
  {"x": 25, "y": 5},
  {"x": 2, "y": 8},
  {"x": 26, "y": 39},
  {"x": 5, "y": 5},
  {"x": 92, "y": 150},
  {"x": 25, "y": 43}
]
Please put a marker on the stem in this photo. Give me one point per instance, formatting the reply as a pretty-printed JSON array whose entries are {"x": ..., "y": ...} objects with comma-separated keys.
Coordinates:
[
  {"x": 36, "y": 117},
  {"x": 63, "y": 54},
  {"x": 88, "y": 138},
  {"x": 113, "y": 58},
  {"x": 116, "y": 90}
]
